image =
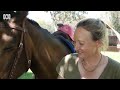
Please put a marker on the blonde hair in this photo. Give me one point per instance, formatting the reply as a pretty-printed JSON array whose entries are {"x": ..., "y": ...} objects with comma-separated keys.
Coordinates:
[{"x": 98, "y": 30}]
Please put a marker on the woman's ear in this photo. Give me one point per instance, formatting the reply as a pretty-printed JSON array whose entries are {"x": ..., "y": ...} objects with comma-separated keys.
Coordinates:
[{"x": 99, "y": 43}]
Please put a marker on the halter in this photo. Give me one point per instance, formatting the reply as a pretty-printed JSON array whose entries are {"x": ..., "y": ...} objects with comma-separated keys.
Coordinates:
[{"x": 20, "y": 48}]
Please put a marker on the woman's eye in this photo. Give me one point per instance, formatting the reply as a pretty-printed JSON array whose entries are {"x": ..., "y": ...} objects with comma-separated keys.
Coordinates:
[
  {"x": 74, "y": 42},
  {"x": 81, "y": 43}
]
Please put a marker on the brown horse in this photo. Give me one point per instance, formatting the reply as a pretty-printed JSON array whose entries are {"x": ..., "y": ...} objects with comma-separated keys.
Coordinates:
[{"x": 24, "y": 45}]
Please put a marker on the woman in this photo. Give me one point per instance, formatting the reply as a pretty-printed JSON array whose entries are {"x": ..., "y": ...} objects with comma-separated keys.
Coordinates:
[{"x": 90, "y": 38}]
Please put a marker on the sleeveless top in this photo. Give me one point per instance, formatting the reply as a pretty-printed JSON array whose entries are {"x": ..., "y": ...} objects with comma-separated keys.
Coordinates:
[{"x": 68, "y": 68}]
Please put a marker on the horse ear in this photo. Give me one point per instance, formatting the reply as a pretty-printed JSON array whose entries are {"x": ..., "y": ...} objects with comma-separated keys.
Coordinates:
[{"x": 20, "y": 16}]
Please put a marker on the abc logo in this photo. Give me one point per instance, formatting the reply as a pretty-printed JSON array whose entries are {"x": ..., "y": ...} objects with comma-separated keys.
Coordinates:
[{"x": 6, "y": 16}]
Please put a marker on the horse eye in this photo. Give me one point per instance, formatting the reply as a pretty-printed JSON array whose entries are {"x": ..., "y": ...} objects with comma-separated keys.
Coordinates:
[{"x": 8, "y": 49}]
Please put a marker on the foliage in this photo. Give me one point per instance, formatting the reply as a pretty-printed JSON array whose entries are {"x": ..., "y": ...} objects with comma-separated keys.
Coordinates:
[
  {"x": 68, "y": 17},
  {"x": 27, "y": 75},
  {"x": 115, "y": 19}
]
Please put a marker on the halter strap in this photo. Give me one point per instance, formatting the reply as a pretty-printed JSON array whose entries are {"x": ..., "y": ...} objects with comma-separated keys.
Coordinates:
[{"x": 20, "y": 48}]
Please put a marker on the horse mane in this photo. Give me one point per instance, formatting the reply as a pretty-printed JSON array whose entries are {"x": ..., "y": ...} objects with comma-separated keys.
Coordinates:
[
  {"x": 34, "y": 23},
  {"x": 37, "y": 25}
]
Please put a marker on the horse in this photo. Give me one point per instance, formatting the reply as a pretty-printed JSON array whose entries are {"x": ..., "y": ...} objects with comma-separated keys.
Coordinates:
[{"x": 26, "y": 45}]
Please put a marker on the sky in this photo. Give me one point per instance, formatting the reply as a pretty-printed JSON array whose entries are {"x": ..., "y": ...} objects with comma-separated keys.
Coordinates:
[
  {"x": 36, "y": 15},
  {"x": 95, "y": 14}
]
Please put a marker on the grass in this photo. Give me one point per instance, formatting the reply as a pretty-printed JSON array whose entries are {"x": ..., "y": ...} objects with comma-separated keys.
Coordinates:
[
  {"x": 113, "y": 55},
  {"x": 27, "y": 75}
]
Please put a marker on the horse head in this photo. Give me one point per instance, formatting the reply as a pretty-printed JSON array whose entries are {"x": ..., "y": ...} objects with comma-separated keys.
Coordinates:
[{"x": 11, "y": 44}]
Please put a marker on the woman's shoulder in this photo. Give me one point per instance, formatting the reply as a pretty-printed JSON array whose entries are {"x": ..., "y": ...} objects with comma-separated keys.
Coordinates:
[
  {"x": 113, "y": 62},
  {"x": 70, "y": 58},
  {"x": 114, "y": 67},
  {"x": 112, "y": 70},
  {"x": 68, "y": 66}
]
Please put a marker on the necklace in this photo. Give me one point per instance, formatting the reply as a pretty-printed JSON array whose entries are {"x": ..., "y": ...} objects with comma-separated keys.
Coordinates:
[{"x": 95, "y": 65}]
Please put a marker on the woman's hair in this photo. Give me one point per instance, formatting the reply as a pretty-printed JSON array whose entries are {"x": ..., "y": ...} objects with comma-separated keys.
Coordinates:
[{"x": 97, "y": 28}]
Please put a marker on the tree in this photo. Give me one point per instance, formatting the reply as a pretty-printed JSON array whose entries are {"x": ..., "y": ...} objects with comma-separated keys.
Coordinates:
[
  {"x": 115, "y": 19},
  {"x": 69, "y": 17}
]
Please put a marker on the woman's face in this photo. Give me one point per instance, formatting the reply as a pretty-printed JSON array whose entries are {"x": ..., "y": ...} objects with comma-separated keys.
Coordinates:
[{"x": 84, "y": 45}]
